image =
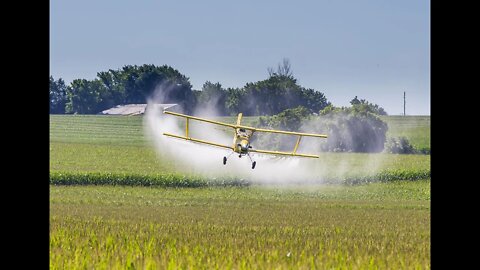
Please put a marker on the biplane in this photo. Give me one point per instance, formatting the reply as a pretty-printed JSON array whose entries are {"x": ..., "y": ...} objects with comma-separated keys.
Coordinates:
[{"x": 241, "y": 138}]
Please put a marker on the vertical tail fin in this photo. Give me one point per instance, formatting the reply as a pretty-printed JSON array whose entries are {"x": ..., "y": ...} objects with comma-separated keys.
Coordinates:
[{"x": 239, "y": 119}]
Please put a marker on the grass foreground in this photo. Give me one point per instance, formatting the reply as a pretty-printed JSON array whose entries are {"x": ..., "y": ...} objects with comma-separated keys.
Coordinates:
[{"x": 375, "y": 226}]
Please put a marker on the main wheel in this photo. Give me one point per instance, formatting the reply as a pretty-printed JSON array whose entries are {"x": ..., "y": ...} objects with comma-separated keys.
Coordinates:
[
  {"x": 224, "y": 160},
  {"x": 253, "y": 165}
]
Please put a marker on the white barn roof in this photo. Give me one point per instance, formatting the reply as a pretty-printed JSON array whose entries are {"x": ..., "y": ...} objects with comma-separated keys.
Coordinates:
[{"x": 132, "y": 109}]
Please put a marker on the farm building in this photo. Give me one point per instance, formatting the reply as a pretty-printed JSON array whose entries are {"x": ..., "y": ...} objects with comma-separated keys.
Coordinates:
[{"x": 134, "y": 109}]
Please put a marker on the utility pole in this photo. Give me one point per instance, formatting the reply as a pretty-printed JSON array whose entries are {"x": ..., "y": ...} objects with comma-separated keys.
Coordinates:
[{"x": 403, "y": 103}]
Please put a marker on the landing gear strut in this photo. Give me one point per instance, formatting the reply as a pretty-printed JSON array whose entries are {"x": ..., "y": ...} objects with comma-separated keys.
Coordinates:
[
  {"x": 253, "y": 162},
  {"x": 225, "y": 158}
]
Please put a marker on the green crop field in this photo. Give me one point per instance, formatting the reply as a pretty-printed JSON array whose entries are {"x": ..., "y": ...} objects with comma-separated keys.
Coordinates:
[
  {"x": 377, "y": 226},
  {"x": 415, "y": 128},
  {"x": 117, "y": 145},
  {"x": 93, "y": 129},
  {"x": 102, "y": 216}
]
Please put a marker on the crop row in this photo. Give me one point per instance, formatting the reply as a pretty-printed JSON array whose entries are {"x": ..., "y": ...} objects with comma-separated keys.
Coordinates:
[
  {"x": 126, "y": 179},
  {"x": 386, "y": 176},
  {"x": 179, "y": 180}
]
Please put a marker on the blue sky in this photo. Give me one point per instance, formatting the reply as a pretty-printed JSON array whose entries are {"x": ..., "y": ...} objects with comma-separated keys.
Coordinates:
[{"x": 371, "y": 49}]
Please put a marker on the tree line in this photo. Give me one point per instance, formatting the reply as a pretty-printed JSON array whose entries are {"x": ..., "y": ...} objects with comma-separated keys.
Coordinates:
[
  {"x": 134, "y": 84},
  {"x": 130, "y": 84},
  {"x": 279, "y": 100}
]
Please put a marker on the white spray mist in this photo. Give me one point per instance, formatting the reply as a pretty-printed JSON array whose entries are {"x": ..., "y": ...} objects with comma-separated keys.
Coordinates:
[{"x": 207, "y": 160}]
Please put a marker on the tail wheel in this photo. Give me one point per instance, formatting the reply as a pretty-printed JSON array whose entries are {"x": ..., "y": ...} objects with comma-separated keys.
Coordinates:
[
  {"x": 253, "y": 165},
  {"x": 224, "y": 160}
]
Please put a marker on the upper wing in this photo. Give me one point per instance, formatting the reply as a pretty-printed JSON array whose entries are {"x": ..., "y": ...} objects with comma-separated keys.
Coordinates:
[
  {"x": 246, "y": 127},
  {"x": 289, "y": 132}
]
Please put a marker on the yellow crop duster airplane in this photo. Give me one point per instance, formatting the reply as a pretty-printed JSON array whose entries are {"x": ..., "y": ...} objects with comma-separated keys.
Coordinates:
[{"x": 241, "y": 139}]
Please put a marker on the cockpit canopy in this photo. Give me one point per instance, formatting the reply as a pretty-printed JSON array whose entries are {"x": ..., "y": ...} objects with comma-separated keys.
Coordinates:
[{"x": 246, "y": 133}]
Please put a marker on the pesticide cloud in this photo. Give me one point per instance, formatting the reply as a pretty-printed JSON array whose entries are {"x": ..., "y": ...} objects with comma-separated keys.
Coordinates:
[
  {"x": 195, "y": 158},
  {"x": 346, "y": 134},
  {"x": 189, "y": 157}
]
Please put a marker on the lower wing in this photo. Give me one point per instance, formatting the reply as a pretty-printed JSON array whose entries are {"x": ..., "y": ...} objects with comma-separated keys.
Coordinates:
[
  {"x": 198, "y": 141},
  {"x": 283, "y": 153}
]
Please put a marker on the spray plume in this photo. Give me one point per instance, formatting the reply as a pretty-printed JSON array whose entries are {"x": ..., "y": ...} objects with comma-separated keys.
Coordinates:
[{"x": 205, "y": 160}]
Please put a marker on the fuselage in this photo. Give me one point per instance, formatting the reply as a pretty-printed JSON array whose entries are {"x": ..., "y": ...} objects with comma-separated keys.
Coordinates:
[
  {"x": 241, "y": 145},
  {"x": 241, "y": 138}
]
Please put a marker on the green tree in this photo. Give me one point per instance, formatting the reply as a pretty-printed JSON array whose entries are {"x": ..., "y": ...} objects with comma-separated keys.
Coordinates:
[
  {"x": 271, "y": 96},
  {"x": 115, "y": 90},
  {"x": 234, "y": 100},
  {"x": 355, "y": 101},
  {"x": 284, "y": 69},
  {"x": 289, "y": 119},
  {"x": 213, "y": 97},
  {"x": 350, "y": 130},
  {"x": 58, "y": 96},
  {"x": 278, "y": 93},
  {"x": 131, "y": 84},
  {"x": 313, "y": 100},
  {"x": 399, "y": 145},
  {"x": 134, "y": 84},
  {"x": 85, "y": 97},
  {"x": 364, "y": 105}
]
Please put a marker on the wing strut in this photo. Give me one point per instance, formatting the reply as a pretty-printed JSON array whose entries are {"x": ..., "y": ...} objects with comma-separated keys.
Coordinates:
[{"x": 296, "y": 145}]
